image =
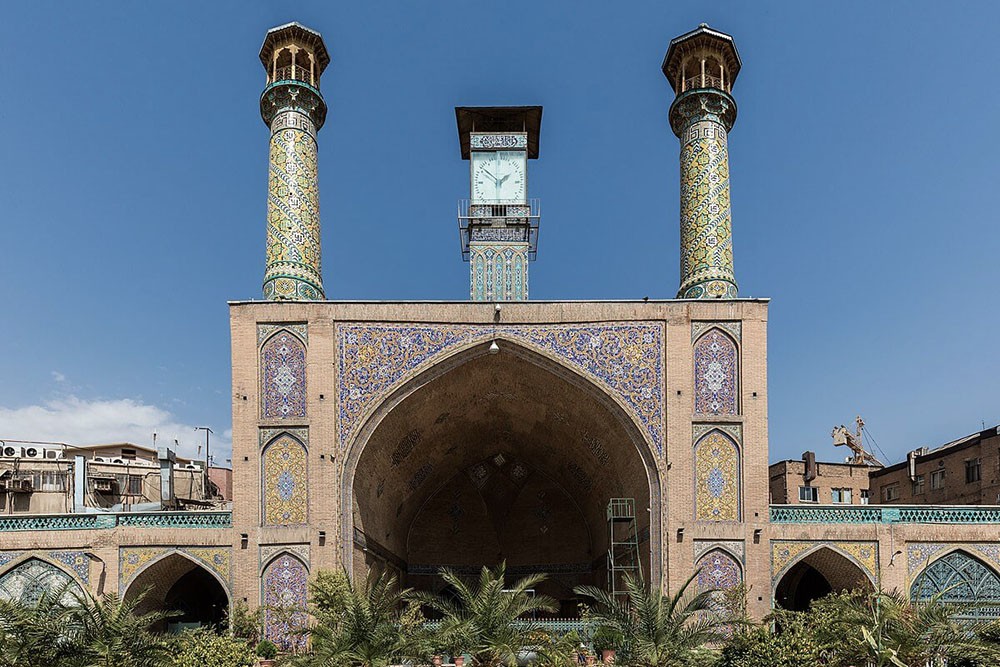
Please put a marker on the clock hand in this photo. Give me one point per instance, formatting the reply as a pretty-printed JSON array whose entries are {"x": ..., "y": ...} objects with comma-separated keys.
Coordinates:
[
  {"x": 487, "y": 172},
  {"x": 504, "y": 178}
]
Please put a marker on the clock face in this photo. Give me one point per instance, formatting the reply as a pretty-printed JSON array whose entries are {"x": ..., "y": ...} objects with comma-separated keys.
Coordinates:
[{"x": 499, "y": 176}]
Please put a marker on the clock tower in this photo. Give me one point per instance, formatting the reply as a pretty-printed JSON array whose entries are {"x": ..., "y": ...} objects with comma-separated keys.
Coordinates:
[{"x": 498, "y": 224}]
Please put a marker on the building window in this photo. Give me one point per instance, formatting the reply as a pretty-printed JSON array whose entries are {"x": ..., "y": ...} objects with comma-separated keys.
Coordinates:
[
  {"x": 808, "y": 494},
  {"x": 135, "y": 485},
  {"x": 128, "y": 454},
  {"x": 864, "y": 496},
  {"x": 890, "y": 492},
  {"x": 973, "y": 471},
  {"x": 49, "y": 481},
  {"x": 937, "y": 479},
  {"x": 842, "y": 496},
  {"x": 918, "y": 485}
]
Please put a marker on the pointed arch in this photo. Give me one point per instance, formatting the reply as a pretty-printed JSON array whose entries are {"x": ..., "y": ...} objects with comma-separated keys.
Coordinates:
[
  {"x": 717, "y": 470},
  {"x": 283, "y": 376},
  {"x": 719, "y": 569},
  {"x": 519, "y": 344},
  {"x": 177, "y": 581},
  {"x": 27, "y": 580},
  {"x": 818, "y": 571},
  {"x": 959, "y": 577},
  {"x": 716, "y": 374},
  {"x": 284, "y": 481},
  {"x": 284, "y": 589}
]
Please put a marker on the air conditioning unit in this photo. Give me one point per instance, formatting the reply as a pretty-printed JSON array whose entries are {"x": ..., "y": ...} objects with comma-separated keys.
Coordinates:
[
  {"x": 32, "y": 453},
  {"x": 54, "y": 454},
  {"x": 103, "y": 484},
  {"x": 13, "y": 452}
]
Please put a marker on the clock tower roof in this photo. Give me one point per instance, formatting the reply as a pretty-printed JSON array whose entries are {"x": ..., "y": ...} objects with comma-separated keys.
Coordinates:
[{"x": 499, "y": 119}]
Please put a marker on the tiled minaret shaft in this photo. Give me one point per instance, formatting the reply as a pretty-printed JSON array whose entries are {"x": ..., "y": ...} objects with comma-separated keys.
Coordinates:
[
  {"x": 293, "y": 108},
  {"x": 701, "y": 67}
]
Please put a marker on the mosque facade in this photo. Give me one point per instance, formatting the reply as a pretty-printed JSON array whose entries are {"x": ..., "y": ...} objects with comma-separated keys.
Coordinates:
[{"x": 588, "y": 440}]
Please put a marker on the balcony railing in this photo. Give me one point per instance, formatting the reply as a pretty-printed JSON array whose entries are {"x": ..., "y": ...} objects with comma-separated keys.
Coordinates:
[
  {"x": 287, "y": 74},
  {"x": 708, "y": 81},
  {"x": 953, "y": 514},
  {"x": 112, "y": 520}
]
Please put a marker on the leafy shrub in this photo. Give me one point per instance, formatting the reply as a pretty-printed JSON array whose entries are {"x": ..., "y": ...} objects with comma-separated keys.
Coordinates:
[
  {"x": 266, "y": 649},
  {"x": 204, "y": 648}
]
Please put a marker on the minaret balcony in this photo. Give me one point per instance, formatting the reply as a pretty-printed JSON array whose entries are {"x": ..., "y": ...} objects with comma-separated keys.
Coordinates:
[
  {"x": 294, "y": 73},
  {"x": 706, "y": 81},
  {"x": 499, "y": 222}
]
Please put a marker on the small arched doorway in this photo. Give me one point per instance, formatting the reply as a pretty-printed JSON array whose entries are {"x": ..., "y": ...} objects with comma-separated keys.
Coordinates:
[
  {"x": 821, "y": 572},
  {"x": 33, "y": 578},
  {"x": 492, "y": 458},
  {"x": 177, "y": 583}
]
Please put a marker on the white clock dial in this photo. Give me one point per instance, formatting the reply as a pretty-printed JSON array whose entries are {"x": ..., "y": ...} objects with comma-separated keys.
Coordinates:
[
  {"x": 484, "y": 179},
  {"x": 510, "y": 176}
]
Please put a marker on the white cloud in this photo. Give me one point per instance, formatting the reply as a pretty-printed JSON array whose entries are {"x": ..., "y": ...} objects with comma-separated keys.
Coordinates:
[
  {"x": 58, "y": 377},
  {"x": 79, "y": 421}
]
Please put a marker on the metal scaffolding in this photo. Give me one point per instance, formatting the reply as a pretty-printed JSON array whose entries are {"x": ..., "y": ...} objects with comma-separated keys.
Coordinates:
[{"x": 623, "y": 544}]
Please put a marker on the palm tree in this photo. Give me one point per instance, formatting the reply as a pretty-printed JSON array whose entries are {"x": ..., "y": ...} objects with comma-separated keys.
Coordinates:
[
  {"x": 486, "y": 618},
  {"x": 107, "y": 631},
  {"x": 361, "y": 627},
  {"x": 657, "y": 629},
  {"x": 34, "y": 635},
  {"x": 887, "y": 629}
]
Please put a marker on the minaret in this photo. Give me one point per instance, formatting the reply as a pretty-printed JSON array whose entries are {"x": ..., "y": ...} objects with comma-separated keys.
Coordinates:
[
  {"x": 702, "y": 66},
  {"x": 294, "y": 57}
]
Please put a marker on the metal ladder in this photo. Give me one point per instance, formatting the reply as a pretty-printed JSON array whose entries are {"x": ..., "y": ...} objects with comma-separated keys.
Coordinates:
[{"x": 623, "y": 545}]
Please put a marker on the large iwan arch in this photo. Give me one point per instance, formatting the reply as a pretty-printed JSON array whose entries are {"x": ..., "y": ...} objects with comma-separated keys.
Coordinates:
[
  {"x": 818, "y": 572},
  {"x": 176, "y": 581},
  {"x": 497, "y": 457}
]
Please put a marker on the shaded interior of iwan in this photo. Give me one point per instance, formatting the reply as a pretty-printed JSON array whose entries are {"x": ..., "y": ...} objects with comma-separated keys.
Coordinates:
[
  {"x": 178, "y": 585},
  {"x": 505, "y": 457}
]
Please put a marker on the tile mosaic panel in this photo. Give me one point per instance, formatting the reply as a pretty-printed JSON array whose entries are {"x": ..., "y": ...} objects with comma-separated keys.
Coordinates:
[
  {"x": 784, "y": 552},
  {"x": 76, "y": 561},
  {"x": 733, "y": 327},
  {"x": 919, "y": 554},
  {"x": 626, "y": 359},
  {"x": 717, "y": 478},
  {"x": 706, "y": 233},
  {"x": 293, "y": 227},
  {"x": 266, "y": 435},
  {"x": 734, "y": 431},
  {"x": 285, "y": 479},
  {"x": 702, "y": 547},
  {"x": 718, "y": 570},
  {"x": 716, "y": 375},
  {"x": 28, "y": 581},
  {"x": 264, "y": 330},
  {"x": 283, "y": 377},
  {"x": 498, "y": 271},
  {"x": 132, "y": 560},
  {"x": 284, "y": 595},
  {"x": 269, "y": 551}
]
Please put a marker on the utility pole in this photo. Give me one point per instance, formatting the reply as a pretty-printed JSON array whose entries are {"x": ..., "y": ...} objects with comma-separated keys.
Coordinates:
[{"x": 207, "y": 430}]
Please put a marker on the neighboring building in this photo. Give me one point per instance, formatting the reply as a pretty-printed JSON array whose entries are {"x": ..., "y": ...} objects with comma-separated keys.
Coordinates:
[
  {"x": 585, "y": 440},
  {"x": 39, "y": 478},
  {"x": 963, "y": 472},
  {"x": 811, "y": 481}
]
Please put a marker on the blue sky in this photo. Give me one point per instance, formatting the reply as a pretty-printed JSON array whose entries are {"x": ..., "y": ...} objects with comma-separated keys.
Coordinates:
[{"x": 863, "y": 174}]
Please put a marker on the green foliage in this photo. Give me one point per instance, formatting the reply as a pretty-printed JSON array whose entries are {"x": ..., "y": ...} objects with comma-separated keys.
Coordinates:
[
  {"x": 658, "y": 630},
  {"x": 361, "y": 627},
  {"x": 204, "y": 648},
  {"x": 108, "y": 632},
  {"x": 487, "y": 618},
  {"x": 607, "y": 639},
  {"x": 245, "y": 624},
  {"x": 266, "y": 649}
]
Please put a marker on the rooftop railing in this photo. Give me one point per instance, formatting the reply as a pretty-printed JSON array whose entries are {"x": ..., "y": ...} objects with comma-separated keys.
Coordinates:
[
  {"x": 112, "y": 520},
  {"x": 953, "y": 514}
]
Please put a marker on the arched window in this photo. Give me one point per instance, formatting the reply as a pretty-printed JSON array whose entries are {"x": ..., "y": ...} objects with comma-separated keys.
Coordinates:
[
  {"x": 284, "y": 476},
  {"x": 33, "y": 578},
  {"x": 284, "y": 591},
  {"x": 717, "y": 478},
  {"x": 716, "y": 374},
  {"x": 718, "y": 570},
  {"x": 961, "y": 579},
  {"x": 283, "y": 377}
]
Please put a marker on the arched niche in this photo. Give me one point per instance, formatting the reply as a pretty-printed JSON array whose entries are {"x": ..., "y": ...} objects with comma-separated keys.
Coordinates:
[
  {"x": 284, "y": 591},
  {"x": 960, "y": 578},
  {"x": 717, "y": 477},
  {"x": 282, "y": 366},
  {"x": 178, "y": 582},
  {"x": 471, "y": 462},
  {"x": 716, "y": 374},
  {"x": 284, "y": 482},
  {"x": 29, "y": 580},
  {"x": 817, "y": 573}
]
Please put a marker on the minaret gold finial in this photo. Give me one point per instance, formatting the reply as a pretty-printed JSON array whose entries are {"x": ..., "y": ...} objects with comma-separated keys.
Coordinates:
[
  {"x": 701, "y": 66},
  {"x": 294, "y": 58}
]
